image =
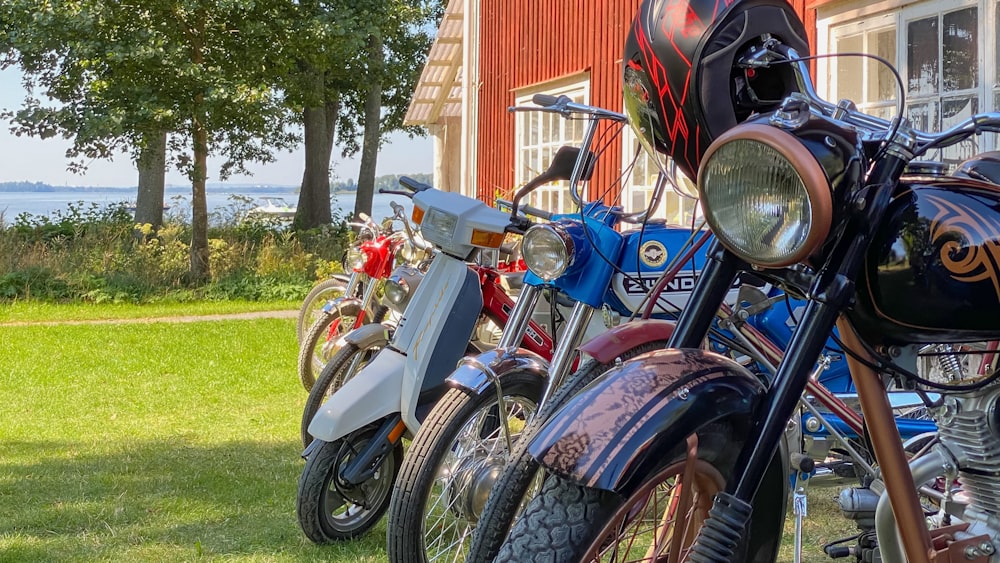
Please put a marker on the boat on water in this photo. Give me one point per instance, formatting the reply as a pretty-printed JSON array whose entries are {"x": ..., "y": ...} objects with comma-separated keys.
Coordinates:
[{"x": 273, "y": 207}]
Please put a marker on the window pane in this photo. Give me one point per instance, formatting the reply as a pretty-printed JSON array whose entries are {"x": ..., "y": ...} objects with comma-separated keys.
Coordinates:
[
  {"x": 960, "y": 47},
  {"x": 881, "y": 83},
  {"x": 953, "y": 112},
  {"x": 924, "y": 116},
  {"x": 850, "y": 68},
  {"x": 922, "y": 54}
]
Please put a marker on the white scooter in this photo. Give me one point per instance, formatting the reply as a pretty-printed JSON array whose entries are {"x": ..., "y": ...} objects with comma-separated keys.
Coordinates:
[{"x": 351, "y": 465}]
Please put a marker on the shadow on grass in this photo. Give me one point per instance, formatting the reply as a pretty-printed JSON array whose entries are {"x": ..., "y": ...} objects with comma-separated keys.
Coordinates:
[{"x": 157, "y": 499}]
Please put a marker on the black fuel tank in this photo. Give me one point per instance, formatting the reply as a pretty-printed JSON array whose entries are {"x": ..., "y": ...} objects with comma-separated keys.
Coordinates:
[{"x": 932, "y": 273}]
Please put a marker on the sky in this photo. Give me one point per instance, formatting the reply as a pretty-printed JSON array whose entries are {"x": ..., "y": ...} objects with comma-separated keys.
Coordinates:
[{"x": 35, "y": 160}]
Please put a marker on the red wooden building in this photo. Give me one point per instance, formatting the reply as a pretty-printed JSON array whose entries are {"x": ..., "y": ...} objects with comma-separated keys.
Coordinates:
[{"x": 492, "y": 54}]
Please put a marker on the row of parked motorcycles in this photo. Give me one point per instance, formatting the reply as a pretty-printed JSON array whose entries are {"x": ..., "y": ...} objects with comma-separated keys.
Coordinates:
[{"x": 621, "y": 389}]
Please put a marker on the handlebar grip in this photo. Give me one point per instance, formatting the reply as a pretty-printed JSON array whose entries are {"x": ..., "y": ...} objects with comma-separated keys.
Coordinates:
[
  {"x": 548, "y": 100},
  {"x": 536, "y": 212},
  {"x": 414, "y": 185},
  {"x": 394, "y": 192}
]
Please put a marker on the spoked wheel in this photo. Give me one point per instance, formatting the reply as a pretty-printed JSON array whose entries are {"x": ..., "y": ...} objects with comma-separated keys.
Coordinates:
[
  {"x": 663, "y": 518},
  {"x": 451, "y": 466},
  {"x": 330, "y": 509},
  {"x": 312, "y": 306},
  {"x": 660, "y": 518},
  {"x": 323, "y": 341},
  {"x": 347, "y": 362}
]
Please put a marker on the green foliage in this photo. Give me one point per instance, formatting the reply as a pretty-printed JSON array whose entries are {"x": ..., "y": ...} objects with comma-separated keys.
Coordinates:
[{"x": 98, "y": 255}]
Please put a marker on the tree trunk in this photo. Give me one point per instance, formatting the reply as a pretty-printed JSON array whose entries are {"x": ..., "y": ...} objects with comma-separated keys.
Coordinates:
[
  {"x": 152, "y": 171},
  {"x": 200, "y": 271},
  {"x": 314, "y": 194},
  {"x": 373, "y": 126}
]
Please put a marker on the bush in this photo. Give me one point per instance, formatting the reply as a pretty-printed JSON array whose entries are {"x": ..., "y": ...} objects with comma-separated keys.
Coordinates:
[{"x": 98, "y": 254}]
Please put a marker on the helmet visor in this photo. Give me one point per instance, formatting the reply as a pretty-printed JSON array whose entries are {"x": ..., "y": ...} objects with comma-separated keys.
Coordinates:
[{"x": 645, "y": 122}]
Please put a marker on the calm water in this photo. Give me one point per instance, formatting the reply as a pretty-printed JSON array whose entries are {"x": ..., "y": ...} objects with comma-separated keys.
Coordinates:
[{"x": 46, "y": 203}]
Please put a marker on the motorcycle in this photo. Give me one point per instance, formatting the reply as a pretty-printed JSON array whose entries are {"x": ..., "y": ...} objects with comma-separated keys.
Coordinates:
[
  {"x": 677, "y": 454},
  {"x": 371, "y": 261},
  {"x": 356, "y": 454}
]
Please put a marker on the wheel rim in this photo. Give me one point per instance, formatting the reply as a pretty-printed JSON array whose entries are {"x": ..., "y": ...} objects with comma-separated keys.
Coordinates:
[
  {"x": 465, "y": 476},
  {"x": 348, "y": 507},
  {"x": 643, "y": 529}
]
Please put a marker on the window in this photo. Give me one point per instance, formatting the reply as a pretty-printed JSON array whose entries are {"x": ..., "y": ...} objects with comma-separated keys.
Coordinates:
[
  {"x": 539, "y": 136},
  {"x": 946, "y": 54},
  {"x": 640, "y": 181}
]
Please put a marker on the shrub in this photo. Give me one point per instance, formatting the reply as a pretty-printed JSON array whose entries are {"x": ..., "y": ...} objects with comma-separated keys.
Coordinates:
[{"x": 100, "y": 255}]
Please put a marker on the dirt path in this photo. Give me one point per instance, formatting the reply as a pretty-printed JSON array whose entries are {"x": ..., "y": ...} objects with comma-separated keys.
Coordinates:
[{"x": 176, "y": 319}]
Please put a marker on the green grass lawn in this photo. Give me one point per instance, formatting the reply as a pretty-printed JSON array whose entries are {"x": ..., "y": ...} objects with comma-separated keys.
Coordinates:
[
  {"x": 171, "y": 442},
  {"x": 154, "y": 442}
]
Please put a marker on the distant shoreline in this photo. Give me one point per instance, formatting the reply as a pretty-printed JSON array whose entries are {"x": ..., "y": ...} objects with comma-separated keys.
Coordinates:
[{"x": 37, "y": 187}]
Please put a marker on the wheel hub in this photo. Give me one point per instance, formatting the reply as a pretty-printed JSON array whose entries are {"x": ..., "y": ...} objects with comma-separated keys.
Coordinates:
[{"x": 473, "y": 478}]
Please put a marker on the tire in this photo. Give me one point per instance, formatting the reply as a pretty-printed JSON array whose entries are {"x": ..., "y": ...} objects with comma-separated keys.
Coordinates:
[
  {"x": 321, "y": 500},
  {"x": 521, "y": 477},
  {"x": 312, "y": 305},
  {"x": 450, "y": 467},
  {"x": 570, "y": 522},
  {"x": 341, "y": 367},
  {"x": 320, "y": 343}
]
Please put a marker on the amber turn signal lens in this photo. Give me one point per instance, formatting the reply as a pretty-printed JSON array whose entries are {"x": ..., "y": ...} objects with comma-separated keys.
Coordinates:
[
  {"x": 418, "y": 215},
  {"x": 483, "y": 238}
]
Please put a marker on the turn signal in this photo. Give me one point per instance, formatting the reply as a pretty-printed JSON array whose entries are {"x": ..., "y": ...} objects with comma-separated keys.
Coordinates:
[
  {"x": 418, "y": 215},
  {"x": 483, "y": 238}
]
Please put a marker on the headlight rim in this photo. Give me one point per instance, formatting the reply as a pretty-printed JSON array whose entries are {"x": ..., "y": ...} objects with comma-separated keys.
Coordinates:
[
  {"x": 569, "y": 248},
  {"x": 817, "y": 186}
]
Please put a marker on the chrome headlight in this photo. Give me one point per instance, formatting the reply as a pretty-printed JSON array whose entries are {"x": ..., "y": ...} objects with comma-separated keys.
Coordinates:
[
  {"x": 399, "y": 287},
  {"x": 356, "y": 259},
  {"x": 396, "y": 289},
  {"x": 551, "y": 249},
  {"x": 765, "y": 195}
]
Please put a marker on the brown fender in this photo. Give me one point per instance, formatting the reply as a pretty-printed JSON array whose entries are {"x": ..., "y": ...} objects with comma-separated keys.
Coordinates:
[
  {"x": 609, "y": 345},
  {"x": 631, "y": 418}
]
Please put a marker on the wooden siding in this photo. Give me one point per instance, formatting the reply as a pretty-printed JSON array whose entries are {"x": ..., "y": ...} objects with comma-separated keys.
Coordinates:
[{"x": 529, "y": 42}]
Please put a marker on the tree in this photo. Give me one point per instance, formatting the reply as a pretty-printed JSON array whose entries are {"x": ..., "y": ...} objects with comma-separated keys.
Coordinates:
[
  {"x": 124, "y": 74},
  {"x": 394, "y": 57}
]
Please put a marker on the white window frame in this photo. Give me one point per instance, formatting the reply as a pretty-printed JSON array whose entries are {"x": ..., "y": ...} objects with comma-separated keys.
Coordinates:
[
  {"x": 554, "y": 196},
  {"x": 638, "y": 184},
  {"x": 868, "y": 16}
]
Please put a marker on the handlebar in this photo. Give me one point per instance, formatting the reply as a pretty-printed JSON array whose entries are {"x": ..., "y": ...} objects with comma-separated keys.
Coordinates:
[
  {"x": 414, "y": 185},
  {"x": 527, "y": 209},
  {"x": 568, "y": 108},
  {"x": 775, "y": 52}
]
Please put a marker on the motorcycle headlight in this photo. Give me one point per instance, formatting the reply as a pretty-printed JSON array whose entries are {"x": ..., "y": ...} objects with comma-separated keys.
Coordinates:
[
  {"x": 396, "y": 289},
  {"x": 765, "y": 195},
  {"x": 550, "y": 250},
  {"x": 356, "y": 259}
]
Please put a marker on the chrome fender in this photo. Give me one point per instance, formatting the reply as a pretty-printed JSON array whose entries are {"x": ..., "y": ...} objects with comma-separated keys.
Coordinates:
[
  {"x": 348, "y": 303},
  {"x": 625, "y": 423},
  {"x": 475, "y": 374},
  {"x": 367, "y": 336},
  {"x": 616, "y": 341}
]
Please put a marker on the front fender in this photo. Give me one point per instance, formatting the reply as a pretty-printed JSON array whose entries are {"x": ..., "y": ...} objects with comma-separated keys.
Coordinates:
[
  {"x": 621, "y": 426},
  {"x": 616, "y": 341},
  {"x": 475, "y": 374},
  {"x": 367, "y": 336}
]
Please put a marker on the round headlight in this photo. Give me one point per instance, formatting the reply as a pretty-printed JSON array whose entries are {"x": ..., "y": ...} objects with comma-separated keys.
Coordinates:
[
  {"x": 765, "y": 195},
  {"x": 547, "y": 250},
  {"x": 356, "y": 259},
  {"x": 396, "y": 289}
]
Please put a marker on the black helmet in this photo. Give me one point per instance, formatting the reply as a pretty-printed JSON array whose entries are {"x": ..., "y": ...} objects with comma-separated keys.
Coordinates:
[{"x": 681, "y": 84}]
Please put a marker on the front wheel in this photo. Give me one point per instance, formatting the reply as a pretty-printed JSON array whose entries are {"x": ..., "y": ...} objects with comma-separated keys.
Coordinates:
[
  {"x": 312, "y": 305},
  {"x": 571, "y": 522},
  {"x": 347, "y": 362},
  {"x": 451, "y": 465},
  {"x": 322, "y": 341},
  {"x": 330, "y": 509},
  {"x": 521, "y": 478}
]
